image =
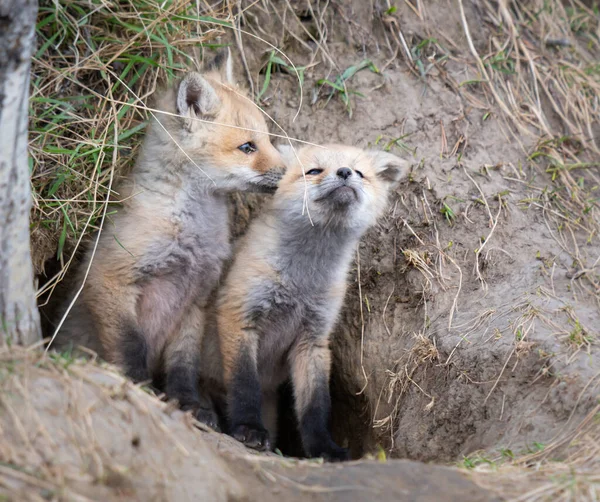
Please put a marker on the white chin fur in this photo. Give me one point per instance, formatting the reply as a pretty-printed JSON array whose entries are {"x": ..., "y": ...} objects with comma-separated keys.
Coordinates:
[{"x": 357, "y": 215}]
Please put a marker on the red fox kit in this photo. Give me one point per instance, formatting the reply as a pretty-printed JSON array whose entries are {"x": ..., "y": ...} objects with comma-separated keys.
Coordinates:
[
  {"x": 165, "y": 248},
  {"x": 286, "y": 287}
]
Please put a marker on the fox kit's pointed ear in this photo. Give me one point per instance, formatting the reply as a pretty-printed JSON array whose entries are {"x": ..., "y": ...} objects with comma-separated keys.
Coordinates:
[
  {"x": 196, "y": 98},
  {"x": 223, "y": 65},
  {"x": 389, "y": 167}
]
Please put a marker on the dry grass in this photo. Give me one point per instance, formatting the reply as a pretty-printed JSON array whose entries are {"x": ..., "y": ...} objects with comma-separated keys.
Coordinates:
[
  {"x": 422, "y": 354},
  {"x": 541, "y": 68},
  {"x": 73, "y": 430},
  {"x": 537, "y": 69},
  {"x": 535, "y": 66},
  {"x": 566, "y": 469}
]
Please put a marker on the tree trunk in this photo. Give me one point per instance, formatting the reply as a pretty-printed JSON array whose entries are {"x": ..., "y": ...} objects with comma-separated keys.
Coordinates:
[{"x": 19, "y": 317}]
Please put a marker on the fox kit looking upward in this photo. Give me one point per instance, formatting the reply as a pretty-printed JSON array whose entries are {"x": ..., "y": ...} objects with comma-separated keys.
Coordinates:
[
  {"x": 164, "y": 249},
  {"x": 286, "y": 287}
]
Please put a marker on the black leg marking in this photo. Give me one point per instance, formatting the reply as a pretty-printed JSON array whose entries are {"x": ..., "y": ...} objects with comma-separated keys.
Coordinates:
[
  {"x": 218, "y": 398},
  {"x": 245, "y": 402},
  {"x": 134, "y": 349},
  {"x": 314, "y": 423},
  {"x": 289, "y": 441},
  {"x": 182, "y": 384}
]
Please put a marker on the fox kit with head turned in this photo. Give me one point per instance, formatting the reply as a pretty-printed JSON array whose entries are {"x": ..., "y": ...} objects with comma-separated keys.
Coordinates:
[
  {"x": 285, "y": 289},
  {"x": 164, "y": 249}
]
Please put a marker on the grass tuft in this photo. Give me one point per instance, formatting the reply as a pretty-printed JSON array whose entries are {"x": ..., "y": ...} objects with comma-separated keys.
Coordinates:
[{"x": 339, "y": 85}]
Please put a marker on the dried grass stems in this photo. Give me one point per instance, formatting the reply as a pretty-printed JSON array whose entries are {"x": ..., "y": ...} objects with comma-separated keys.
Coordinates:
[
  {"x": 565, "y": 467},
  {"x": 432, "y": 259},
  {"x": 537, "y": 476},
  {"x": 41, "y": 462},
  {"x": 541, "y": 67},
  {"x": 422, "y": 354}
]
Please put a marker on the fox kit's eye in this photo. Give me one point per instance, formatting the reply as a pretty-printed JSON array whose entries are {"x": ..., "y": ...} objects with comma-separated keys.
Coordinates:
[
  {"x": 314, "y": 171},
  {"x": 248, "y": 148},
  {"x": 359, "y": 173}
]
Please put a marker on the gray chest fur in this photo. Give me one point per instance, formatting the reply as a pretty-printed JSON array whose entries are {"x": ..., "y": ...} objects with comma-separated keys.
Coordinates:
[
  {"x": 193, "y": 259},
  {"x": 299, "y": 305}
]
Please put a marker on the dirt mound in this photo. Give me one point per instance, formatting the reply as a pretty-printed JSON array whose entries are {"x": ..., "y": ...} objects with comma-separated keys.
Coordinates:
[{"x": 72, "y": 430}]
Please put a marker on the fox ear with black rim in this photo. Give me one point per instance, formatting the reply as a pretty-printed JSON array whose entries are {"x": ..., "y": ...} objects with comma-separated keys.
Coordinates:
[
  {"x": 389, "y": 167},
  {"x": 222, "y": 64},
  {"x": 196, "y": 99}
]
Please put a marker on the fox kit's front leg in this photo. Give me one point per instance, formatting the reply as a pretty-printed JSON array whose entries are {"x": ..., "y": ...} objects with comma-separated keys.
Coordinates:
[
  {"x": 182, "y": 368},
  {"x": 244, "y": 396},
  {"x": 310, "y": 362}
]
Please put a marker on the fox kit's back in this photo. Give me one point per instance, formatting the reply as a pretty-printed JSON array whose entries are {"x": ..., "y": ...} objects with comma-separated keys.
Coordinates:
[{"x": 286, "y": 287}]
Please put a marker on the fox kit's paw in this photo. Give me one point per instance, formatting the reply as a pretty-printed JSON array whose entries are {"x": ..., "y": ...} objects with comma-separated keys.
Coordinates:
[
  {"x": 336, "y": 453},
  {"x": 330, "y": 452},
  {"x": 208, "y": 417},
  {"x": 253, "y": 436}
]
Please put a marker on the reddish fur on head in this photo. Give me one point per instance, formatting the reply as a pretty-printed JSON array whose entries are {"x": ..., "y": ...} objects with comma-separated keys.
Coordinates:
[
  {"x": 312, "y": 171},
  {"x": 249, "y": 127},
  {"x": 222, "y": 130}
]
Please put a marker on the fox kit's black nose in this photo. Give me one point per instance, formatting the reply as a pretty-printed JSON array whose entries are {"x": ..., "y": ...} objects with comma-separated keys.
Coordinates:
[{"x": 344, "y": 172}]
